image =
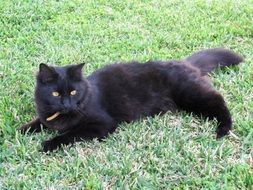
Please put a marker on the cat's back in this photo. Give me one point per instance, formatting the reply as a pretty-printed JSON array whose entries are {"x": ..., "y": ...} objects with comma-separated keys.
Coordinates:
[
  {"x": 117, "y": 68},
  {"x": 130, "y": 70}
]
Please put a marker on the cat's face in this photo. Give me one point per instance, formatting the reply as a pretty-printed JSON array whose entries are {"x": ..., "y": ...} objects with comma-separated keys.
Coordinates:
[{"x": 60, "y": 89}]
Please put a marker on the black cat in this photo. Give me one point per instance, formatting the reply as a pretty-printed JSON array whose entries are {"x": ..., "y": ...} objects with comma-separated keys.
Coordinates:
[{"x": 86, "y": 108}]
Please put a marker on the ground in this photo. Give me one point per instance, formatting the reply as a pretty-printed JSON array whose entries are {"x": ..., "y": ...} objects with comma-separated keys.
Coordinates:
[{"x": 174, "y": 151}]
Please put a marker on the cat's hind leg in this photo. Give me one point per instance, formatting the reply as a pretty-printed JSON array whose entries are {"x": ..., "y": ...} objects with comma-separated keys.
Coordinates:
[{"x": 198, "y": 96}]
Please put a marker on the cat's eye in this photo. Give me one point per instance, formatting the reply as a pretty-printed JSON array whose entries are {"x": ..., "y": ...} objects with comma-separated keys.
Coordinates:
[
  {"x": 73, "y": 92},
  {"x": 55, "y": 94}
]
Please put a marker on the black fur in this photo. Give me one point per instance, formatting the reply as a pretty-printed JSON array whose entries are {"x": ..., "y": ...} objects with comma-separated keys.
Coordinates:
[{"x": 126, "y": 92}]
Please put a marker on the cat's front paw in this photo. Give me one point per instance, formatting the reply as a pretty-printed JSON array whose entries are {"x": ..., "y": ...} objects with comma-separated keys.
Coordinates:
[
  {"x": 24, "y": 128},
  {"x": 32, "y": 126},
  {"x": 29, "y": 128},
  {"x": 49, "y": 146}
]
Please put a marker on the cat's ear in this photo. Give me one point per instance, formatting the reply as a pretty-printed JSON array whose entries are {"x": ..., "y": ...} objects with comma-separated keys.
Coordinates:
[
  {"x": 46, "y": 73},
  {"x": 75, "y": 71}
]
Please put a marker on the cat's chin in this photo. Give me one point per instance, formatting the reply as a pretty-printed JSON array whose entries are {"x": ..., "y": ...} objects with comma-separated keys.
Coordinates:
[
  {"x": 63, "y": 122},
  {"x": 59, "y": 128}
]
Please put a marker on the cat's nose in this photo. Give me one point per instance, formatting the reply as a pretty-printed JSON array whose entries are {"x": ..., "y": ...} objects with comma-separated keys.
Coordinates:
[
  {"x": 66, "y": 106},
  {"x": 65, "y": 109}
]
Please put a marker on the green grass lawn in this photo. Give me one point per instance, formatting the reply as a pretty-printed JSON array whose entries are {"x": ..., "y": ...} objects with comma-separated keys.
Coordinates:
[{"x": 169, "y": 152}]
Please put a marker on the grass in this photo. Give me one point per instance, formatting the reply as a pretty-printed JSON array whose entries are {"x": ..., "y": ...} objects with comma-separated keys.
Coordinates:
[{"x": 169, "y": 152}]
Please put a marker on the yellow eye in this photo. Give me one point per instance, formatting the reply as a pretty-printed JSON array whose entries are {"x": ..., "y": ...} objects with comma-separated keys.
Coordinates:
[
  {"x": 55, "y": 94},
  {"x": 73, "y": 92}
]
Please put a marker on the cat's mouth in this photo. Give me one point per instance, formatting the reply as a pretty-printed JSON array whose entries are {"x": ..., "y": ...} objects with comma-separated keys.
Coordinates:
[
  {"x": 52, "y": 117},
  {"x": 56, "y": 114}
]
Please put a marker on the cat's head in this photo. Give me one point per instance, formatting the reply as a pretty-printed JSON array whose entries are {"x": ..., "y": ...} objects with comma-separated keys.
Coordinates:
[{"x": 60, "y": 89}]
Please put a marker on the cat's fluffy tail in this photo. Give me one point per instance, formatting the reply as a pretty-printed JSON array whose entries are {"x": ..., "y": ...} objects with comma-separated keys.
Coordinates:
[{"x": 210, "y": 59}]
